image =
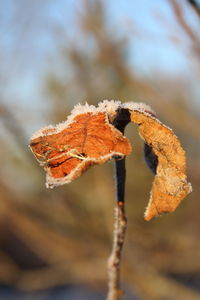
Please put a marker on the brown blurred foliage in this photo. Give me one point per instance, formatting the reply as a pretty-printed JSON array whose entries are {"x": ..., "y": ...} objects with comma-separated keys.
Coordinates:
[{"x": 52, "y": 237}]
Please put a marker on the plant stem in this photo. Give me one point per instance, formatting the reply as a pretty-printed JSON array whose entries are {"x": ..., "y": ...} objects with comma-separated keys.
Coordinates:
[{"x": 120, "y": 222}]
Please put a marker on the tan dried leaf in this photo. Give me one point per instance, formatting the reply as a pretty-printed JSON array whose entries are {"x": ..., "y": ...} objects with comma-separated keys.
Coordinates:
[{"x": 170, "y": 184}]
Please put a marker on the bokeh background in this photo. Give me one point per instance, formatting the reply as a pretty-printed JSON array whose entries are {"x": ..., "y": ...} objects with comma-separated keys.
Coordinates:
[{"x": 54, "y": 244}]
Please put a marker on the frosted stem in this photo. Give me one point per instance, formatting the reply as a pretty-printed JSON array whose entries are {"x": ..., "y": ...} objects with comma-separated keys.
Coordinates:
[
  {"x": 114, "y": 291},
  {"x": 120, "y": 221}
]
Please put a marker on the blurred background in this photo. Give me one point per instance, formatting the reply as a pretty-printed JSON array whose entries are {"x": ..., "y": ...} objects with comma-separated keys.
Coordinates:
[{"x": 54, "y": 244}]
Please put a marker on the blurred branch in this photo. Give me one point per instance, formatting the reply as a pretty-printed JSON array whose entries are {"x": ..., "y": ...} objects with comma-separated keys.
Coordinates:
[
  {"x": 12, "y": 125},
  {"x": 184, "y": 25},
  {"x": 155, "y": 286},
  {"x": 195, "y": 6}
]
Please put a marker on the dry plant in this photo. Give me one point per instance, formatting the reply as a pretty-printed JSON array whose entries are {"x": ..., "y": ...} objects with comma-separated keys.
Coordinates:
[{"x": 93, "y": 135}]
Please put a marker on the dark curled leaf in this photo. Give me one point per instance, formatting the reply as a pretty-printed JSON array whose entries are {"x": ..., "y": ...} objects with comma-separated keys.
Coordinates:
[{"x": 150, "y": 158}]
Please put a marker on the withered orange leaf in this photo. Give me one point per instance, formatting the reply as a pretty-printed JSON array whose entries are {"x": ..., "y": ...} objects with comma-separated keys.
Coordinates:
[
  {"x": 170, "y": 184},
  {"x": 68, "y": 150},
  {"x": 88, "y": 137}
]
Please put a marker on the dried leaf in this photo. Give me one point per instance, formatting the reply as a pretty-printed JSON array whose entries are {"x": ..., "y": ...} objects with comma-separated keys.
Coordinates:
[
  {"x": 88, "y": 138},
  {"x": 170, "y": 184},
  {"x": 69, "y": 149}
]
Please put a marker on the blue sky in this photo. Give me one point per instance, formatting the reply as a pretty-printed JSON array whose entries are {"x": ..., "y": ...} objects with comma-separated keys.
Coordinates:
[
  {"x": 29, "y": 47},
  {"x": 154, "y": 21}
]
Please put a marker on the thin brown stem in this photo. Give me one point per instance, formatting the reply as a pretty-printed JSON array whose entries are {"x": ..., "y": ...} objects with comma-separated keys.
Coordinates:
[{"x": 120, "y": 222}]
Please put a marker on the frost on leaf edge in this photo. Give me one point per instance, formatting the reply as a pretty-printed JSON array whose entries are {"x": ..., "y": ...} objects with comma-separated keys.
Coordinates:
[{"x": 108, "y": 106}]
